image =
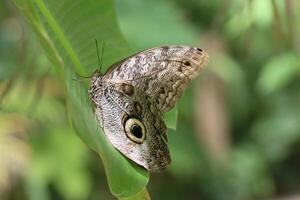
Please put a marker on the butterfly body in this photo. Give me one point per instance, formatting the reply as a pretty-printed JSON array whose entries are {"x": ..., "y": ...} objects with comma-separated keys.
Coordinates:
[{"x": 132, "y": 96}]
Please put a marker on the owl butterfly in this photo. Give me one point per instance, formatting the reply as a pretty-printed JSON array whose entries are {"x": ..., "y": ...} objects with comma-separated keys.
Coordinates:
[{"x": 132, "y": 96}]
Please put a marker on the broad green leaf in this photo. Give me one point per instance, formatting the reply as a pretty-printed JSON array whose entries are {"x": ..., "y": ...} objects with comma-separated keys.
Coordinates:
[{"x": 67, "y": 31}]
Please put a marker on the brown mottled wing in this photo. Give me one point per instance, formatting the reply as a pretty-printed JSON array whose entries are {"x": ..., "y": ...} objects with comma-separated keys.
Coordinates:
[{"x": 162, "y": 73}]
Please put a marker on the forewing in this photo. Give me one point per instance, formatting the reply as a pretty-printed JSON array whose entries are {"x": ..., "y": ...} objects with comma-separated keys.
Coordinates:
[{"x": 162, "y": 73}]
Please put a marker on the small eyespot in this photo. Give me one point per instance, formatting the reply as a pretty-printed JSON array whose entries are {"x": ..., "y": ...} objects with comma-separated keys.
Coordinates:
[
  {"x": 199, "y": 49},
  {"x": 186, "y": 63},
  {"x": 127, "y": 89},
  {"x": 135, "y": 130}
]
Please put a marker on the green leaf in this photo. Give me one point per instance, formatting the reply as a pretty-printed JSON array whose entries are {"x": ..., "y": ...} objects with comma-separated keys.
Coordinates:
[
  {"x": 67, "y": 31},
  {"x": 171, "y": 118},
  {"x": 142, "y": 195}
]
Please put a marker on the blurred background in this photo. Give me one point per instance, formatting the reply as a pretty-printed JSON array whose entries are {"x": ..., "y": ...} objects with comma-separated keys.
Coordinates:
[{"x": 238, "y": 131}]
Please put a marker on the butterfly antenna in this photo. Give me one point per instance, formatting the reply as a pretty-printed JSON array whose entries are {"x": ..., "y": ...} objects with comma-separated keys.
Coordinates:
[
  {"x": 99, "y": 61},
  {"x": 102, "y": 53}
]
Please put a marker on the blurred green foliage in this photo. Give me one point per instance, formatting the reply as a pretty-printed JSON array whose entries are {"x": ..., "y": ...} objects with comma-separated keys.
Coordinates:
[{"x": 238, "y": 130}]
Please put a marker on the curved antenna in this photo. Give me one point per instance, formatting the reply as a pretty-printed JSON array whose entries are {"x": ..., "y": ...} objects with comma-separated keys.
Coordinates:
[{"x": 100, "y": 59}]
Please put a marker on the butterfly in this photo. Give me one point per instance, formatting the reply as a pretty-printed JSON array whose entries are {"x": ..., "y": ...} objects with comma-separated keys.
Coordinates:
[{"x": 132, "y": 96}]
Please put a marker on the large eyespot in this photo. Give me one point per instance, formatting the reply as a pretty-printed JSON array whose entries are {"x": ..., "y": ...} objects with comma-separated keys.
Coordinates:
[{"x": 135, "y": 130}]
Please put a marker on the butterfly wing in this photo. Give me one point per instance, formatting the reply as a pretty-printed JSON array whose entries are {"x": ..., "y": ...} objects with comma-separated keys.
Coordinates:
[
  {"x": 134, "y": 126},
  {"x": 162, "y": 73},
  {"x": 132, "y": 96}
]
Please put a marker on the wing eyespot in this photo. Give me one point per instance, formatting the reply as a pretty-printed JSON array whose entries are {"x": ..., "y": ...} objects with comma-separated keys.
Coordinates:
[
  {"x": 186, "y": 63},
  {"x": 135, "y": 130},
  {"x": 199, "y": 49},
  {"x": 127, "y": 89}
]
